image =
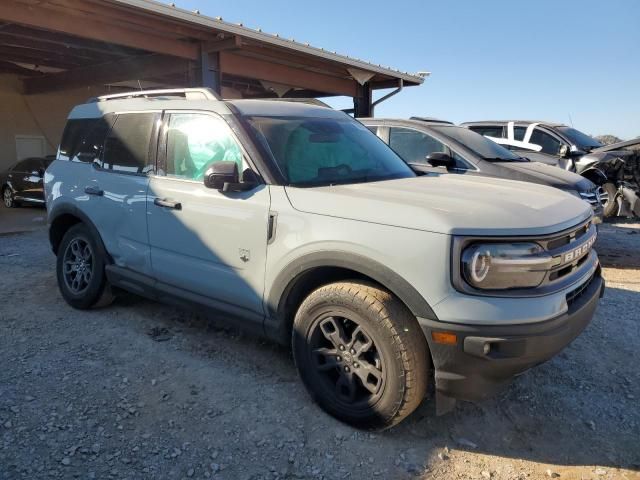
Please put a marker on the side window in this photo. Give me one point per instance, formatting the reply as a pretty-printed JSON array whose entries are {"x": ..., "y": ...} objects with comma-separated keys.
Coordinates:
[
  {"x": 373, "y": 128},
  {"x": 488, "y": 130},
  {"x": 195, "y": 141},
  {"x": 83, "y": 140},
  {"x": 28, "y": 165},
  {"x": 126, "y": 148},
  {"x": 413, "y": 146},
  {"x": 549, "y": 144},
  {"x": 461, "y": 163},
  {"x": 518, "y": 133}
]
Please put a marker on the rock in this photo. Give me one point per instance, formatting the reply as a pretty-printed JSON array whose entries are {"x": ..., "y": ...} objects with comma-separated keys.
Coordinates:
[
  {"x": 591, "y": 424},
  {"x": 14, "y": 409},
  {"x": 65, "y": 461},
  {"x": 552, "y": 474},
  {"x": 466, "y": 443},
  {"x": 443, "y": 456},
  {"x": 215, "y": 467},
  {"x": 190, "y": 472},
  {"x": 485, "y": 474},
  {"x": 600, "y": 471},
  {"x": 95, "y": 448},
  {"x": 8, "y": 424}
]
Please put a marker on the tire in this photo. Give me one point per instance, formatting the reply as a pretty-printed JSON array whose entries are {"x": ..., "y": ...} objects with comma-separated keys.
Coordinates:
[
  {"x": 7, "y": 198},
  {"x": 80, "y": 269},
  {"x": 381, "y": 375},
  {"x": 610, "y": 208}
]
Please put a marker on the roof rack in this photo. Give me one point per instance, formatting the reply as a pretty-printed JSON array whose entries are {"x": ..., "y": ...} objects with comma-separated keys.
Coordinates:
[{"x": 186, "y": 93}]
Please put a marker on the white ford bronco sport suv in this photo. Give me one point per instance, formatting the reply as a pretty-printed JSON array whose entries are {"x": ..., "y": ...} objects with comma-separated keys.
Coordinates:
[{"x": 298, "y": 222}]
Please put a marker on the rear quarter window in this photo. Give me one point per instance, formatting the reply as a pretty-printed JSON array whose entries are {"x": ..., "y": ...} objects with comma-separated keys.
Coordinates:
[{"x": 83, "y": 139}]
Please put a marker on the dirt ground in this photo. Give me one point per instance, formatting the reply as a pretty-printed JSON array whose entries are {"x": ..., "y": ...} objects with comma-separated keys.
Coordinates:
[{"x": 144, "y": 391}]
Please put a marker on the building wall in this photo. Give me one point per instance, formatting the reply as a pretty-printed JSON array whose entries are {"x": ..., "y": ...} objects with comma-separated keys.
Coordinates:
[{"x": 40, "y": 115}]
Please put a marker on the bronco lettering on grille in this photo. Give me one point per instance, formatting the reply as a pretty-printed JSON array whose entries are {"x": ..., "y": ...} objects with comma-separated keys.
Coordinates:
[{"x": 576, "y": 253}]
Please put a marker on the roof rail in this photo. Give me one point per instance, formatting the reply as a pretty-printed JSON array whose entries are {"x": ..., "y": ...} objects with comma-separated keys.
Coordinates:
[{"x": 187, "y": 93}]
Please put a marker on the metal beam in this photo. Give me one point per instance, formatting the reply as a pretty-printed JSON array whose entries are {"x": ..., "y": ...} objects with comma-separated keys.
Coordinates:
[
  {"x": 41, "y": 17},
  {"x": 136, "y": 68},
  {"x": 362, "y": 102},
  {"x": 235, "y": 64}
]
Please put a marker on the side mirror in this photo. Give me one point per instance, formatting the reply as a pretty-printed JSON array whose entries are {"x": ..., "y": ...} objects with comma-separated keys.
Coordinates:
[
  {"x": 224, "y": 176},
  {"x": 440, "y": 159},
  {"x": 565, "y": 151}
]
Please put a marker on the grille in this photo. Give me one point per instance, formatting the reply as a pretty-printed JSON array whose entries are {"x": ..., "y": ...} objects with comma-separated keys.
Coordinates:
[
  {"x": 594, "y": 197},
  {"x": 576, "y": 293}
]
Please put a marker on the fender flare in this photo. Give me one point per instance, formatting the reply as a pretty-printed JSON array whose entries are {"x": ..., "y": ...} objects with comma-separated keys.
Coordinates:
[
  {"x": 383, "y": 275},
  {"x": 67, "y": 209}
]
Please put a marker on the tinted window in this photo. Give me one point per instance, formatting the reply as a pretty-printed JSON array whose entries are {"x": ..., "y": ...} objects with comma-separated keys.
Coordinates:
[
  {"x": 488, "y": 130},
  {"x": 29, "y": 165},
  {"x": 323, "y": 151},
  {"x": 518, "y": 133},
  {"x": 413, "y": 146},
  {"x": 549, "y": 144},
  {"x": 127, "y": 146},
  {"x": 579, "y": 139},
  {"x": 481, "y": 146},
  {"x": 83, "y": 140},
  {"x": 195, "y": 141}
]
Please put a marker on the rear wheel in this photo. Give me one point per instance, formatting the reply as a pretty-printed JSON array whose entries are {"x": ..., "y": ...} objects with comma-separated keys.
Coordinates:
[
  {"x": 361, "y": 354},
  {"x": 7, "y": 198},
  {"x": 610, "y": 207},
  {"x": 80, "y": 270}
]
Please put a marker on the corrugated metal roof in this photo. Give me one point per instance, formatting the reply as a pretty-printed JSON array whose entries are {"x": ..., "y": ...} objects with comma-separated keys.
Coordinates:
[{"x": 195, "y": 18}]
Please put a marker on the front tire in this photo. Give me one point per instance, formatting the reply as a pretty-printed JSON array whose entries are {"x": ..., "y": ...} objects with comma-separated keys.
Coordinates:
[
  {"x": 80, "y": 270},
  {"x": 7, "y": 198},
  {"x": 361, "y": 354},
  {"x": 610, "y": 208}
]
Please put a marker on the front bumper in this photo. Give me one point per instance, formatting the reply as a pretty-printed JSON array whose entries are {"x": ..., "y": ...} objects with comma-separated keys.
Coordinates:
[{"x": 484, "y": 359}]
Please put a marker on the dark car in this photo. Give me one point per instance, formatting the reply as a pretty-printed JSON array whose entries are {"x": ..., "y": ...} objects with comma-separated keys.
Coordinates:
[
  {"x": 430, "y": 146},
  {"x": 23, "y": 182},
  {"x": 614, "y": 167}
]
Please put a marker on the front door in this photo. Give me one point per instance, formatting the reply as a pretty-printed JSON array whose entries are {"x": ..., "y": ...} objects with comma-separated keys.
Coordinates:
[{"x": 203, "y": 241}]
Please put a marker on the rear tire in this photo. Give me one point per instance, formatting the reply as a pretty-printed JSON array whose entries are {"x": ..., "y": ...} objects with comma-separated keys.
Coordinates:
[
  {"x": 80, "y": 270},
  {"x": 610, "y": 208},
  {"x": 7, "y": 198},
  {"x": 361, "y": 354}
]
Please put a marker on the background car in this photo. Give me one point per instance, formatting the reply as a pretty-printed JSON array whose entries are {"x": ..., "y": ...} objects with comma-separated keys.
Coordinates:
[
  {"x": 23, "y": 181},
  {"x": 570, "y": 149},
  {"x": 429, "y": 145}
]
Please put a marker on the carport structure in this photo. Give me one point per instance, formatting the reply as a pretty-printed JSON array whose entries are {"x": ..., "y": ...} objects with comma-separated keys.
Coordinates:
[{"x": 63, "y": 44}]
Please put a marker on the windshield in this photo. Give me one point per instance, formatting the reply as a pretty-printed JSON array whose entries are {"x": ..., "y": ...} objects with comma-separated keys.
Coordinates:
[
  {"x": 481, "y": 146},
  {"x": 579, "y": 139},
  {"x": 326, "y": 151}
]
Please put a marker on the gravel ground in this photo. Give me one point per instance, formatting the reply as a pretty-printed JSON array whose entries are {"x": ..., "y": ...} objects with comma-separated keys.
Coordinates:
[{"x": 140, "y": 390}]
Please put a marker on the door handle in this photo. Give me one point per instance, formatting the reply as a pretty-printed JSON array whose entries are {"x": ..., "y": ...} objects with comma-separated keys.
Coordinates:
[
  {"x": 161, "y": 202},
  {"x": 94, "y": 191}
]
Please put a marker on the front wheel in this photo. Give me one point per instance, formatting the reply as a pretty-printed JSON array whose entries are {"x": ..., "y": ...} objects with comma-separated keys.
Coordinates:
[
  {"x": 610, "y": 207},
  {"x": 80, "y": 270},
  {"x": 7, "y": 198},
  {"x": 361, "y": 354}
]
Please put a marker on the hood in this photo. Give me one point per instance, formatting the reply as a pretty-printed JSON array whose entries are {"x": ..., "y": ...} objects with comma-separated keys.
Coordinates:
[
  {"x": 537, "y": 172},
  {"x": 449, "y": 204},
  {"x": 617, "y": 146}
]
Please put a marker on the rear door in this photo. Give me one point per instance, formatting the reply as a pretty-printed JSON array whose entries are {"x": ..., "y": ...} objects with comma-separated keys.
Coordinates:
[
  {"x": 203, "y": 241},
  {"x": 119, "y": 188}
]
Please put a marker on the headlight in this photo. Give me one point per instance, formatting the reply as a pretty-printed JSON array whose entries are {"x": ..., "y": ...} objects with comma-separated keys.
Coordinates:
[{"x": 500, "y": 266}]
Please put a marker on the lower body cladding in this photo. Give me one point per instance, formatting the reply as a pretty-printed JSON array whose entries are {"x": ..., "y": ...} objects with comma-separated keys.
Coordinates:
[{"x": 473, "y": 362}]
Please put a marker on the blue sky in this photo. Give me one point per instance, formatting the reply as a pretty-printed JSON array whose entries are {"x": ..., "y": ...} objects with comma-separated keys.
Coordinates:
[{"x": 545, "y": 59}]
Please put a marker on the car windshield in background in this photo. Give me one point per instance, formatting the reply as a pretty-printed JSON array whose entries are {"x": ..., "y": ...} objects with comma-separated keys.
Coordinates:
[
  {"x": 481, "y": 146},
  {"x": 327, "y": 151},
  {"x": 579, "y": 139}
]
